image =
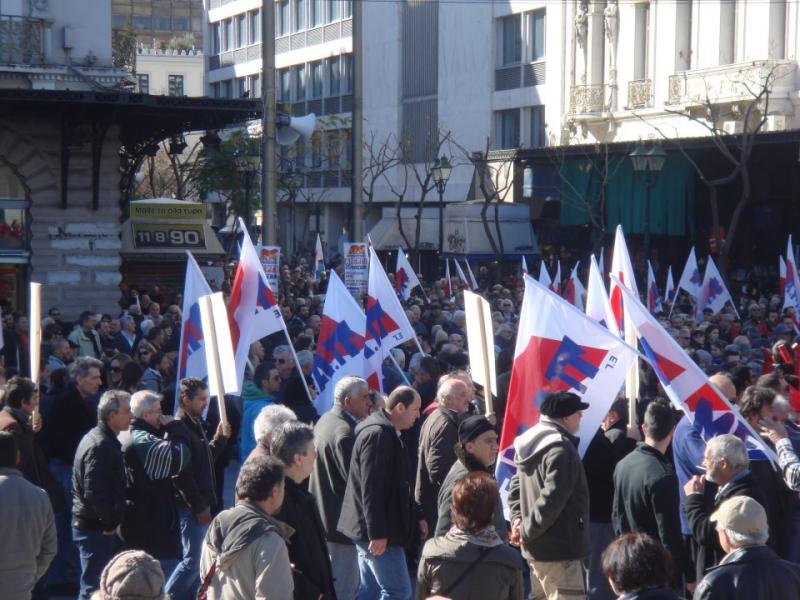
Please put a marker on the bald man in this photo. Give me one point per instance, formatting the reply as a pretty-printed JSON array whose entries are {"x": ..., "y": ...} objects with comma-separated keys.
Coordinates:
[{"x": 688, "y": 448}]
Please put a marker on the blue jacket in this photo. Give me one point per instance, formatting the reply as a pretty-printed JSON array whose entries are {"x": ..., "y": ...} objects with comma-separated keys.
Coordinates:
[{"x": 252, "y": 405}]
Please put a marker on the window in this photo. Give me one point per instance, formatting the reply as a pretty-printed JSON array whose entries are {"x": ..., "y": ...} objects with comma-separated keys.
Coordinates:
[
  {"x": 334, "y": 76},
  {"x": 227, "y": 88},
  {"x": 255, "y": 26},
  {"x": 316, "y": 79},
  {"x": 241, "y": 31},
  {"x": 255, "y": 86},
  {"x": 284, "y": 21},
  {"x": 347, "y": 9},
  {"x": 299, "y": 15},
  {"x": 507, "y": 129},
  {"x": 120, "y": 21},
  {"x": 284, "y": 85},
  {"x": 241, "y": 87},
  {"x": 535, "y": 34},
  {"x": 299, "y": 77},
  {"x": 317, "y": 12},
  {"x": 216, "y": 39},
  {"x": 142, "y": 23},
  {"x": 162, "y": 23},
  {"x": 510, "y": 40},
  {"x": 228, "y": 34},
  {"x": 180, "y": 24},
  {"x": 537, "y": 132},
  {"x": 143, "y": 83},
  {"x": 641, "y": 40},
  {"x": 215, "y": 90},
  {"x": 334, "y": 10},
  {"x": 175, "y": 85},
  {"x": 14, "y": 205},
  {"x": 347, "y": 74},
  {"x": 316, "y": 150}
]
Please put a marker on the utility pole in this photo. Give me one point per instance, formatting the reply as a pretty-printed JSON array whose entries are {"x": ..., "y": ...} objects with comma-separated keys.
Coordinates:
[
  {"x": 357, "y": 129},
  {"x": 269, "y": 183}
]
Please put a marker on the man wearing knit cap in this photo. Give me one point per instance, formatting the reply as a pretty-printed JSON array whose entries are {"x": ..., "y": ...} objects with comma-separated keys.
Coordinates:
[
  {"x": 476, "y": 450},
  {"x": 549, "y": 499},
  {"x": 131, "y": 575}
]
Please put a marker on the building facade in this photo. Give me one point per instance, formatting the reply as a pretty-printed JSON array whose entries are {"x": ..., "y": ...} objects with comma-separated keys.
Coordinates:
[
  {"x": 170, "y": 72},
  {"x": 157, "y": 22}
]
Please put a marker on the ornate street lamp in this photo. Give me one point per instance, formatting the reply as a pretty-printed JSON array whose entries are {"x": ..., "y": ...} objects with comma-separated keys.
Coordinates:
[
  {"x": 440, "y": 171},
  {"x": 647, "y": 161}
]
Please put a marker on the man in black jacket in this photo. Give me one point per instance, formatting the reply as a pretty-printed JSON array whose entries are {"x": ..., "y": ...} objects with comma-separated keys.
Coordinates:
[
  {"x": 156, "y": 450},
  {"x": 749, "y": 569},
  {"x": 726, "y": 464},
  {"x": 196, "y": 485},
  {"x": 646, "y": 486},
  {"x": 98, "y": 489},
  {"x": 293, "y": 444},
  {"x": 378, "y": 512},
  {"x": 334, "y": 436}
]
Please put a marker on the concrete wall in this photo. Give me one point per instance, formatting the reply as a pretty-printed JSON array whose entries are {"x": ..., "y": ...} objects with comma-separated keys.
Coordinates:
[{"x": 160, "y": 64}]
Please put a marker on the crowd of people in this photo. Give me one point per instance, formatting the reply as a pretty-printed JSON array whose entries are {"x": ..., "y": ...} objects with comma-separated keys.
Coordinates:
[{"x": 112, "y": 471}]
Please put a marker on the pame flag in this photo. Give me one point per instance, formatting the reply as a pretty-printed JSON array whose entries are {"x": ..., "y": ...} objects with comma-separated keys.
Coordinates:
[
  {"x": 340, "y": 345},
  {"x": 791, "y": 289},
  {"x": 242, "y": 303},
  {"x": 653, "y": 297},
  {"x": 686, "y": 385},
  {"x": 559, "y": 348},
  {"x": 598, "y": 307},
  {"x": 268, "y": 318},
  {"x": 191, "y": 348},
  {"x": 690, "y": 281},
  {"x": 405, "y": 279},
  {"x": 713, "y": 293},
  {"x": 387, "y": 325}
]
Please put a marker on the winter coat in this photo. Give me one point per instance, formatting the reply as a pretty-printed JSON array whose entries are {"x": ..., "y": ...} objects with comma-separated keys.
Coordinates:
[
  {"x": 197, "y": 485},
  {"x": 249, "y": 550},
  {"x": 461, "y": 467},
  {"x": 253, "y": 400},
  {"x": 307, "y": 549},
  {"x": 153, "y": 380},
  {"x": 28, "y": 540},
  {"x": 437, "y": 441},
  {"x": 646, "y": 499},
  {"x": 704, "y": 531},
  {"x": 605, "y": 450},
  {"x": 334, "y": 437},
  {"x": 751, "y": 572},
  {"x": 152, "y": 458},
  {"x": 88, "y": 344},
  {"x": 498, "y": 575},
  {"x": 32, "y": 461},
  {"x": 652, "y": 594},
  {"x": 377, "y": 501},
  {"x": 549, "y": 494},
  {"x": 98, "y": 481},
  {"x": 71, "y": 418}
]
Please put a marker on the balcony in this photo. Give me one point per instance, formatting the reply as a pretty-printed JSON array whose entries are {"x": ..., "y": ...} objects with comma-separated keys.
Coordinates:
[
  {"x": 732, "y": 83},
  {"x": 586, "y": 99},
  {"x": 640, "y": 93},
  {"x": 22, "y": 40}
]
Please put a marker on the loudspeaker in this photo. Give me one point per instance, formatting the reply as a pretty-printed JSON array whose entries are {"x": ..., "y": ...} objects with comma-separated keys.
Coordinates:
[{"x": 291, "y": 128}]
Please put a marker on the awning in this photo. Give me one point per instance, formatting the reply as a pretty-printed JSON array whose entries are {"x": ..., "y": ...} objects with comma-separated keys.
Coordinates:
[{"x": 385, "y": 235}]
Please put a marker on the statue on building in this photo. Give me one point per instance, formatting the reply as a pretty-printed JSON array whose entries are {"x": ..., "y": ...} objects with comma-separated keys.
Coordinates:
[
  {"x": 582, "y": 23},
  {"x": 611, "y": 16},
  {"x": 38, "y": 8}
]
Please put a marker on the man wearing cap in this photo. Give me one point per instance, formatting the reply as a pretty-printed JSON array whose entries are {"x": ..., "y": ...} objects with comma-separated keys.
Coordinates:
[
  {"x": 476, "y": 450},
  {"x": 749, "y": 569},
  {"x": 549, "y": 499}
]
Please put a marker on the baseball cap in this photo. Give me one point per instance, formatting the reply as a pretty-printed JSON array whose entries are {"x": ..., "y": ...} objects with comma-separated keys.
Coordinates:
[
  {"x": 562, "y": 404},
  {"x": 473, "y": 426},
  {"x": 741, "y": 514}
]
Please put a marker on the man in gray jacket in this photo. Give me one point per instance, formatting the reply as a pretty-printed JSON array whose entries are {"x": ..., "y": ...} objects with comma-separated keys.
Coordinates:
[
  {"x": 549, "y": 499},
  {"x": 28, "y": 540}
]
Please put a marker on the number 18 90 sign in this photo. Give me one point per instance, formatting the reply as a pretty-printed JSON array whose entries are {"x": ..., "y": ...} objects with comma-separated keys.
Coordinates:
[{"x": 168, "y": 235}]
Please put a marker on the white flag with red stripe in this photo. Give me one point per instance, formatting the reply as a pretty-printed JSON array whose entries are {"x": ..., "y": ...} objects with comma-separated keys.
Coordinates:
[
  {"x": 653, "y": 297},
  {"x": 544, "y": 276},
  {"x": 598, "y": 307},
  {"x": 669, "y": 289},
  {"x": 713, "y": 293},
  {"x": 573, "y": 290},
  {"x": 405, "y": 279},
  {"x": 622, "y": 269},
  {"x": 690, "y": 281}
]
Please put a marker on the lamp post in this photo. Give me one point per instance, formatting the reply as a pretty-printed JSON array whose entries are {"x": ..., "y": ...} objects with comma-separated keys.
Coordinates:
[
  {"x": 647, "y": 162},
  {"x": 292, "y": 181},
  {"x": 440, "y": 171},
  {"x": 247, "y": 163}
]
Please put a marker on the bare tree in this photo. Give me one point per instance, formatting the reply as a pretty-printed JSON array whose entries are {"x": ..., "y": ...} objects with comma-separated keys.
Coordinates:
[
  {"x": 171, "y": 175},
  {"x": 399, "y": 189},
  {"x": 380, "y": 157}
]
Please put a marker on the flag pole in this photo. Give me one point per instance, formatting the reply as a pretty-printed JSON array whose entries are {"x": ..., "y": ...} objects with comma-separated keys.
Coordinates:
[
  {"x": 487, "y": 381},
  {"x": 296, "y": 362},
  {"x": 402, "y": 373},
  {"x": 35, "y": 340},
  {"x": 212, "y": 355}
]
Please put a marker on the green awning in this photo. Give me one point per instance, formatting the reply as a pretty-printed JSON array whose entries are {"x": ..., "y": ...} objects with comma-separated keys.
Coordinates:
[{"x": 671, "y": 197}]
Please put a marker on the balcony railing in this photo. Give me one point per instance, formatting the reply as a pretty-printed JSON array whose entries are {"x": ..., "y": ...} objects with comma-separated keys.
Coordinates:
[
  {"x": 588, "y": 98},
  {"x": 22, "y": 40},
  {"x": 640, "y": 93}
]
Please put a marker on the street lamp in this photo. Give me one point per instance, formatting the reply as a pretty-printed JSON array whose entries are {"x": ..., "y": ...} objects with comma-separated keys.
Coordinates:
[
  {"x": 248, "y": 164},
  {"x": 440, "y": 171},
  {"x": 647, "y": 162},
  {"x": 292, "y": 181}
]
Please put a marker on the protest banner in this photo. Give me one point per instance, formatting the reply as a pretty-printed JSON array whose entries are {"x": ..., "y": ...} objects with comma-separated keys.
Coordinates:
[
  {"x": 270, "y": 258},
  {"x": 356, "y": 268}
]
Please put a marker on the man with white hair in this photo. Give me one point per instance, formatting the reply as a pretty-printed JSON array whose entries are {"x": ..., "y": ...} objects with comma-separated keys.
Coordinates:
[
  {"x": 269, "y": 419},
  {"x": 726, "y": 464},
  {"x": 156, "y": 451},
  {"x": 335, "y": 435},
  {"x": 749, "y": 569},
  {"x": 437, "y": 441}
]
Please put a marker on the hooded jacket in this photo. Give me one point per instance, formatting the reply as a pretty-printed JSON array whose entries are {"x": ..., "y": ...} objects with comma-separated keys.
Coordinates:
[
  {"x": 249, "y": 550},
  {"x": 549, "y": 494},
  {"x": 253, "y": 399}
]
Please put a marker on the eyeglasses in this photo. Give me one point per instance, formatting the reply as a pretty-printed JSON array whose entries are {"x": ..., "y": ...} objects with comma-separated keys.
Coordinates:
[{"x": 115, "y": 369}]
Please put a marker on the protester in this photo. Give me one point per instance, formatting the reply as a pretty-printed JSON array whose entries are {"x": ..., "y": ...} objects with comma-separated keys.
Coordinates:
[
  {"x": 646, "y": 487},
  {"x": 437, "y": 439},
  {"x": 749, "y": 568},
  {"x": 85, "y": 337},
  {"x": 293, "y": 444},
  {"x": 131, "y": 575},
  {"x": 256, "y": 394},
  {"x": 378, "y": 512},
  {"x": 470, "y": 561},
  {"x": 99, "y": 489},
  {"x": 28, "y": 541},
  {"x": 549, "y": 499},
  {"x": 196, "y": 485},
  {"x": 476, "y": 451},
  {"x": 156, "y": 450},
  {"x": 244, "y": 553},
  {"x": 638, "y": 568},
  {"x": 334, "y": 435},
  {"x": 270, "y": 418}
]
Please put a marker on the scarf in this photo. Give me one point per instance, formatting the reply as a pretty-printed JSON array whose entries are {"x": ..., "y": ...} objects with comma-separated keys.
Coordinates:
[{"x": 485, "y": 537}]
